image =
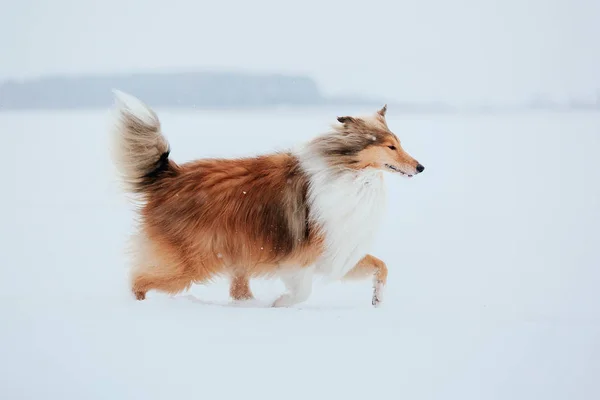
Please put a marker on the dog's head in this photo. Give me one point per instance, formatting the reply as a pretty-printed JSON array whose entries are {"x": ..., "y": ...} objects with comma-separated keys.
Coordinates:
[{"x": 367, "y": 142}]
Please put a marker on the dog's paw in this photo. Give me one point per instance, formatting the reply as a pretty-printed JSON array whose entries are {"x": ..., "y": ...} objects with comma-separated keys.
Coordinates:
[
  {"x": 376, "y": 301},
  {"x": 285, "y": 300},
  {"x": 377, "y": 294}
]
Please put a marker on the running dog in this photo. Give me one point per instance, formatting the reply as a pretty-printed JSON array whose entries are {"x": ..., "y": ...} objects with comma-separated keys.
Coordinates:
[{"x": 287, "y": 215}]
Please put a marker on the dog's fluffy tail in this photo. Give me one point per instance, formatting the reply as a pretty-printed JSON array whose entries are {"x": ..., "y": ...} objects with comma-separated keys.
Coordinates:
[{"x": 140, "y": 151}]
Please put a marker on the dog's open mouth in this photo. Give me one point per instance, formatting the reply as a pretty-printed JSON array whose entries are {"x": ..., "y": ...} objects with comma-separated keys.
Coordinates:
[{"x": 398, "y": 170}]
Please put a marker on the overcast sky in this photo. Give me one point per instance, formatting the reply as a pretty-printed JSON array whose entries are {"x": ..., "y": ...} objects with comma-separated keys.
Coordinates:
[{"x": 451, "y": 50}]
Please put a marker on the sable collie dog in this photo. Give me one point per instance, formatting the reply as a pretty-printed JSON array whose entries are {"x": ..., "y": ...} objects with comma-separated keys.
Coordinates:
[{"x": 287, "y": 215}]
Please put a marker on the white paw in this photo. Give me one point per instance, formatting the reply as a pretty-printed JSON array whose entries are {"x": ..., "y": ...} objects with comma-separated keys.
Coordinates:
[
  {"x": 284, "y": 300},
  {"x": 377, "y": 294},
  {"x": 298, "y": 285}
]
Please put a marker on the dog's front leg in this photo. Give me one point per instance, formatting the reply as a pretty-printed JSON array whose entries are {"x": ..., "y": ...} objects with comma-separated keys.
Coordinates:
[
  {"x": 298, "y": 283},
  {"x": 370, "y": 266}
]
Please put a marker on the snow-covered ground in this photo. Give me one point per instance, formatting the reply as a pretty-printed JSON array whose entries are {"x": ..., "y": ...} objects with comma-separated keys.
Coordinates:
[{"x": 493, "y": 255}]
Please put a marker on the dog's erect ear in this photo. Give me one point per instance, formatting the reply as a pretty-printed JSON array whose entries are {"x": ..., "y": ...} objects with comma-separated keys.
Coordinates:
[
  {"x": 346, "y": 120},
  {"x": 382, "y": 111}
]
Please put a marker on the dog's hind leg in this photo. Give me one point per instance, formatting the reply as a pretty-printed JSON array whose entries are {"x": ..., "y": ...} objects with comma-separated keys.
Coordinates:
[
  {"x": 150, "y": 272},
  {"x": 370, "y": 266},
  {"x": 239, "y": 288},
  {"x": 166, "y": 283}
]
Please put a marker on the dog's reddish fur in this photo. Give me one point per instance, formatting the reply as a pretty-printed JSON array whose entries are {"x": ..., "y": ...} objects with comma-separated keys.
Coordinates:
[{"x": 214, "y": 217}]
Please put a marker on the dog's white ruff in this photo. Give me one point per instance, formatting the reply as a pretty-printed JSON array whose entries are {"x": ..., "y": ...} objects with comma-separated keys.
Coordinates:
[{"x": 347, "y": 206}]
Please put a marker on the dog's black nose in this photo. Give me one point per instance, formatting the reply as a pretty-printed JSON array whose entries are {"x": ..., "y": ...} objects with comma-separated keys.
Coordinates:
[{"x": 420, "y": 168}]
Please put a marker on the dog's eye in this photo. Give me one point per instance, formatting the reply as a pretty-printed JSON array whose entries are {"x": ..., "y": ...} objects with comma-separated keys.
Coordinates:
[{"x": 392, "y": 147}]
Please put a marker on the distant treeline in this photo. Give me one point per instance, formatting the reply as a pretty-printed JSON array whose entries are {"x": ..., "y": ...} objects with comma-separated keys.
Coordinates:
[
  {"x": 190, "y": 89},
  {"x": 232, "y": 90}
]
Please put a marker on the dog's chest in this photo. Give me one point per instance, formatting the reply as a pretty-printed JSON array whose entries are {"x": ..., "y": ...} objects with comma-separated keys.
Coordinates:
[{"x": 348, "y": 210}]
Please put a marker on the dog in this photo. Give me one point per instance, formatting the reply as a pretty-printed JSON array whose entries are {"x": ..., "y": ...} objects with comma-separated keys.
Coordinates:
[{"x": 288, "y": 215}]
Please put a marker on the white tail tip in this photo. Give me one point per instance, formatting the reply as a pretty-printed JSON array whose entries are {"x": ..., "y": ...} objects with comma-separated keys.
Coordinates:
[{"x": 132, "y": 105}]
